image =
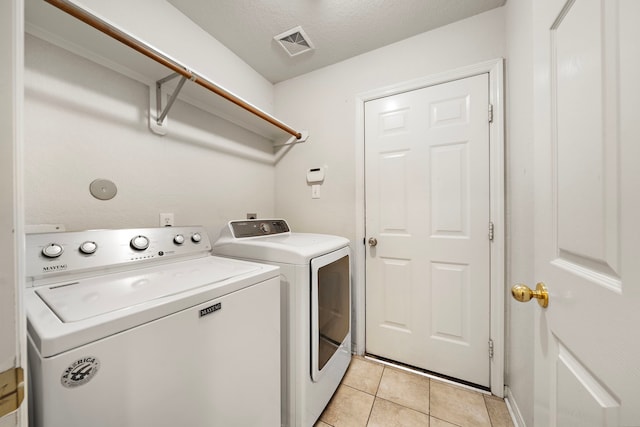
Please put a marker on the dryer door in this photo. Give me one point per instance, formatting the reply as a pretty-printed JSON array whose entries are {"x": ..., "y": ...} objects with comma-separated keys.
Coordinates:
[{"x": 330, "y": 308}]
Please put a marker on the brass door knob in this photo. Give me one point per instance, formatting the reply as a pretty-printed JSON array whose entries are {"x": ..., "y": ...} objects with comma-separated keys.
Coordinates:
[
  {"x": 373, "y": 241},
  {"x": 523, "y": 293}
]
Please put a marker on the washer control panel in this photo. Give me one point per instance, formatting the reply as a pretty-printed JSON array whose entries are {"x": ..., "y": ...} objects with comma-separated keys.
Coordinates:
[
  {"x": 66, "y": 253},
  {"x": 259, "y": 227}
]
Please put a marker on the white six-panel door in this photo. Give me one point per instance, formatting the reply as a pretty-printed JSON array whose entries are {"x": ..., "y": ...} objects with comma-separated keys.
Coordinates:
[
  {"x": 587, "y": 203},
  {"x": 427, "y": 206}
]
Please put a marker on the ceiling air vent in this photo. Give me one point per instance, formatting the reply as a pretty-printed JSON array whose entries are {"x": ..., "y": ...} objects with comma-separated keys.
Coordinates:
[{"x": 295, "y": 41}]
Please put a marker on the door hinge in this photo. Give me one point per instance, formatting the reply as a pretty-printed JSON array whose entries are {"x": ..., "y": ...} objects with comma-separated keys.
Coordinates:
[
  {"x": 490, "y": 113},
  {"x": 490, "y": 231},
  {"x": 490, "y": 349},
  {"x": 11, "y": 390}
]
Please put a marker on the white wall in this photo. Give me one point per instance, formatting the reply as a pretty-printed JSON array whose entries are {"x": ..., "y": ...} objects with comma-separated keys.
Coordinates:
[
  {"x": 163, "y": 26},
  {"x": 520, "y": 253},
  {"x": 84, "y": 121},
  {"x": 323, "y": 103}
]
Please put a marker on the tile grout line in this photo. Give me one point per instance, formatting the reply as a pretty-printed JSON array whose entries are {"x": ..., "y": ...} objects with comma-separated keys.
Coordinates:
[
  {"x": 375, "y": 396},
  {"x": 370, "y": 411},
  {"x": 426, "y": 375},
  {"x": 380, "y": 380},
  {"x": 448, "y": 422},
  {"x": 486, "y": 407},
  {"x": 485, "y": 396},
  {"x": 431, "y": 408}
]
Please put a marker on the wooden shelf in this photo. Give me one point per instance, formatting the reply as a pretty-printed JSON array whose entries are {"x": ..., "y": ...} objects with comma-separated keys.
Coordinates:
[{"x": 64, "y": 30}]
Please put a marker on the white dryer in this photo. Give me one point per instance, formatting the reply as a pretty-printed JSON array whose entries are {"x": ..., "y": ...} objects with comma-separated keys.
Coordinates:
[
  {"x": 144, "y": 328},
  {"x": 315, "y": 277}
]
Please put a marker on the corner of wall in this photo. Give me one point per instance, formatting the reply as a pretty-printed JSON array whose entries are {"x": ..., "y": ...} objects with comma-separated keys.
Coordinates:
[{"x": 514, "y": 409}]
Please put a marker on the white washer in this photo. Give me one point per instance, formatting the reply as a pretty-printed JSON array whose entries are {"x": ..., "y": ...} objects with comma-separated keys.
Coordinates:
[
  {"x": 144, "y": 328},
  {"x": 316, "y": 315}
]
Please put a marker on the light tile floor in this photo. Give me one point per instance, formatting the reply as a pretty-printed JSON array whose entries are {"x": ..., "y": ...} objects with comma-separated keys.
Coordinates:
[{"x": 375, "y": 395}]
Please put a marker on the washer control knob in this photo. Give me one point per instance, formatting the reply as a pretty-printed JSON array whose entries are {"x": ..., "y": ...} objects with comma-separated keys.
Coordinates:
[
  {"x": 88, "y": 247},
  {"x": 52, "y": 250},
  {"x": 196, "y": 238},
  {"x": 178, "y": 239},
  {"x": 140, "y": 243},
  {"x": 265, "y": 228}
]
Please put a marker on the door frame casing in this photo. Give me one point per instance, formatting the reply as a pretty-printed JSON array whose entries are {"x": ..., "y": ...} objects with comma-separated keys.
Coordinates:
[
  {"x": 497, "y": 205},
  {"x": 12, "y": 146}
]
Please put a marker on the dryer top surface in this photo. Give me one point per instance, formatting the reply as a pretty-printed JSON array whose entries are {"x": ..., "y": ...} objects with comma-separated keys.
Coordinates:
[{"x": 291, "y": 248}]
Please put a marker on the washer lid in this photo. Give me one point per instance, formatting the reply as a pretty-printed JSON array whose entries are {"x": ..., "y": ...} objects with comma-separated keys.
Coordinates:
[
  {"x": 290, "y": 248},
  {"x": 83, "y": 299}
]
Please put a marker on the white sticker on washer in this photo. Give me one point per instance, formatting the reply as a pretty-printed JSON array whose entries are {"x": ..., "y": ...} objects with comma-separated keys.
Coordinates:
[{"x": 80, "y": 372}]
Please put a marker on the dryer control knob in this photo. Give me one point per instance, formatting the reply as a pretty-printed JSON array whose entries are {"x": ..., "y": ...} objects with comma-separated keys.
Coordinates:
[
  {"x": 140, "y": 243},
  {"x": 196, "y": 238},
  {"x": 88, "y": 247},
  {"x": 52, "y": 250},
  {"x": 265, "y": 228},
  {"x": 178, "y": 239}
]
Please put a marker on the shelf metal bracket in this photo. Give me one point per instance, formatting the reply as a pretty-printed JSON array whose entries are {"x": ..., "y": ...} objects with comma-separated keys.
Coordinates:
[
  {"x": 158, "y": 123},
  {"x": 283, "y": 148},
  {"x": 293, "y": 140}
]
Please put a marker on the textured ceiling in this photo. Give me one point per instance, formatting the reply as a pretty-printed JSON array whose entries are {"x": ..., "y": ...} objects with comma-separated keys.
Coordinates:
[{"x": 339, "y": 29}]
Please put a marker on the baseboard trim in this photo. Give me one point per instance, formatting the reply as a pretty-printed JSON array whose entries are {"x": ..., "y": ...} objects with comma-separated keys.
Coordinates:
[{"x": 512, "y": 406}]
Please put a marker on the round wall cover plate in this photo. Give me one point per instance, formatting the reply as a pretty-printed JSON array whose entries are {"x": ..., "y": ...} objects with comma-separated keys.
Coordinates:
[{"x": 103, "y": 189}]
